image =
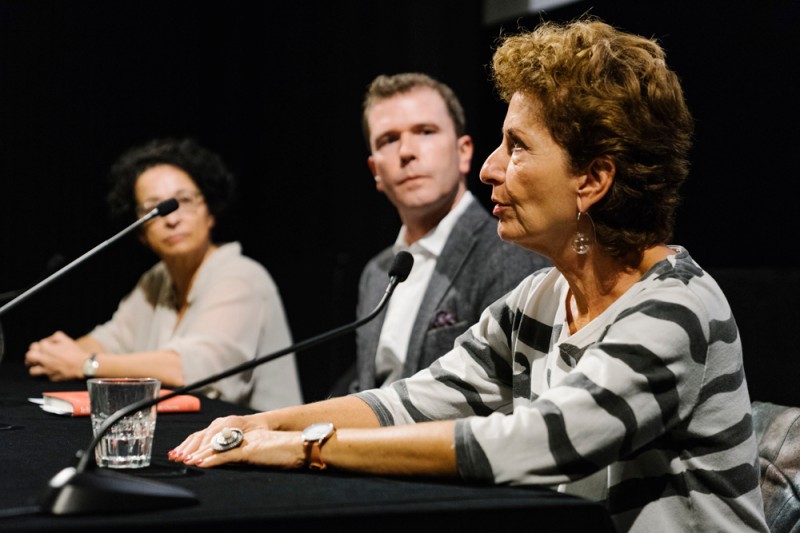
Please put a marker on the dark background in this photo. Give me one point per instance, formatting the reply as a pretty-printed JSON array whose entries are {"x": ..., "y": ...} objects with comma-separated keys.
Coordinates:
[{"x": 276, "y": 89}]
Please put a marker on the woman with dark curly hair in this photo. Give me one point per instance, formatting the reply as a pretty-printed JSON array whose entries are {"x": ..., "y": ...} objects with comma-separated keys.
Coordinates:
[
  {"x": 616, "y": 374},
  {"x": 203, "y": 308}
]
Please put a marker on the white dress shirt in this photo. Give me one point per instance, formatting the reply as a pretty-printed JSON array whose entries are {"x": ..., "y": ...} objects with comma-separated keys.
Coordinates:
[{"x": 407, "y": 298}]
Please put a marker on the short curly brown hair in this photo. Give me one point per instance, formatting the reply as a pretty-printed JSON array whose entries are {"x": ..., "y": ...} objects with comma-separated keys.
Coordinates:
[{"x": 608, "y": 93}]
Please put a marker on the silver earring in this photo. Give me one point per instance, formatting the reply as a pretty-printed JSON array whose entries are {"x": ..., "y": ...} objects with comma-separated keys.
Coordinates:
[{"x": 583, "y": 240}]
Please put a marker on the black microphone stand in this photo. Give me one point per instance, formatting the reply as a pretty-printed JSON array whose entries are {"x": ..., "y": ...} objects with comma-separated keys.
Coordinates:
[
  {"x": 79, "y": 490},
  {"x": 164, "y": 208}
]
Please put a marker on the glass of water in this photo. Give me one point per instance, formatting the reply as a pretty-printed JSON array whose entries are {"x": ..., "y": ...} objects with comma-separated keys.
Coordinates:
[{"x": 129, "y": 442}]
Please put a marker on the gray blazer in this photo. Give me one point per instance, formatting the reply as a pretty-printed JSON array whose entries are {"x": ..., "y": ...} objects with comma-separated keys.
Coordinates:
[{"x": 475, "y": 268}]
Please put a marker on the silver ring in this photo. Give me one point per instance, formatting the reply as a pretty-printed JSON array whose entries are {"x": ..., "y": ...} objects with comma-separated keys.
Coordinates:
[{"x": 227, "y": 439}]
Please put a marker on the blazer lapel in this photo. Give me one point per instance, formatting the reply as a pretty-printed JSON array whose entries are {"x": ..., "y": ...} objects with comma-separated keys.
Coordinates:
[
  {"x": 370, "y": 332},
  {"x": 454, "y": 255}
]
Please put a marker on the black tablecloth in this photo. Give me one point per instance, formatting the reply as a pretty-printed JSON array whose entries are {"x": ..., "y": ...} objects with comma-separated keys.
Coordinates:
[{"x": 231, "y": 497}]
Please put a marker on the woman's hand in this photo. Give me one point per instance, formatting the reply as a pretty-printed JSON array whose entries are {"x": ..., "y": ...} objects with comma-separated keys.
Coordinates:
[
  {"x": 274, "y": 438},
  {"x": 58, "y": 357},
  {"x": 263, "y": 447},
  {"x": 198, "y": 444}
]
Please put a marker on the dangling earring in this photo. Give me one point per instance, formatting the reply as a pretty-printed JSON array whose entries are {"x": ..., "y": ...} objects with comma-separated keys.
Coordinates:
[{"x": 585, "y": 235}]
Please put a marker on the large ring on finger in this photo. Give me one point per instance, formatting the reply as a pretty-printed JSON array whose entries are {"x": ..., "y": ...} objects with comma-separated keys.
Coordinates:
[{"x": 227, "y": 439}]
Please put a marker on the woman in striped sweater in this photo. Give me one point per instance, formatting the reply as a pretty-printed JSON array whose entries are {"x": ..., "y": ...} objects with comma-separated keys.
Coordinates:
[{"x": 617, "y": 374}]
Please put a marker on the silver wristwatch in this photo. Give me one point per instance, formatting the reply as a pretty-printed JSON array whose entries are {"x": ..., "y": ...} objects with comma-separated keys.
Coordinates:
[
  {"x": 314, "y": 436},
  {"x": 90, "y": 366}
]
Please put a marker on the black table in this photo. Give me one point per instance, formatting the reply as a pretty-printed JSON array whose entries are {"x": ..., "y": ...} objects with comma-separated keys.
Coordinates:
[{"x": 240, "y": 496}]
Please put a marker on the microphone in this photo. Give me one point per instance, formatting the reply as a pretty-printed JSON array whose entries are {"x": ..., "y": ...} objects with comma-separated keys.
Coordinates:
[
  {"x": 400, "y": 269},
  {"x": 164, "y": 208},
  {"x": 78, "y": 490}
]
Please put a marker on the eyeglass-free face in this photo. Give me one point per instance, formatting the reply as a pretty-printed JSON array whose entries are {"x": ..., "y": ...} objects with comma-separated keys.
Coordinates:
[
  {"x": 534, "y": 189},
  {"x": 184, "y": 232},
  {"x": 416, "y": 157}
]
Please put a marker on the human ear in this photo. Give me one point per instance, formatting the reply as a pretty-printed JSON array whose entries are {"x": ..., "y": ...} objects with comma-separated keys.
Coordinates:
[
  {"x": 374, "y": 170},
  {"x": 465, "y": 151},
  {"x": 596, "y": 182}
]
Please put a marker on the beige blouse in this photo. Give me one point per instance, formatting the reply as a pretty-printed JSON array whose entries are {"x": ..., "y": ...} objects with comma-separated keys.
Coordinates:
[{"x": 234, "y": 314}]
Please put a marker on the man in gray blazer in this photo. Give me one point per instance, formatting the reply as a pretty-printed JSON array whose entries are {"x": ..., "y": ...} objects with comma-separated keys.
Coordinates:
[{"x": 420, "y": 156}]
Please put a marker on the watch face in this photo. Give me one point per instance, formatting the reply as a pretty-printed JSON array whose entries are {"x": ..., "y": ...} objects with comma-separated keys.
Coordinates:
[
  {"x": 90, "y": 367},
  {"x": 317, "y": 431}
]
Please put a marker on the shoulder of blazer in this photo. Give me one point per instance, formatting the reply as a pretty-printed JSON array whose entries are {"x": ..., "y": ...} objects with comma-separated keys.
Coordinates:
[
  {"x": 474, "y": 219},
  {"x": 378, "y": 264},
  {"x": 476, "y": 231}
]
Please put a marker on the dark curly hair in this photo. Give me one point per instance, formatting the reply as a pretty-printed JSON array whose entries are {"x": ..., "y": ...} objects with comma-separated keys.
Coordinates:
[
  {"x": 205, "y": 167},
  {"x": 608, "y": 93}
]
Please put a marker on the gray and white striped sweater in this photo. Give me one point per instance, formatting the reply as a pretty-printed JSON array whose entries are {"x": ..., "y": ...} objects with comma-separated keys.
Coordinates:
[{"x": 651, "y": 394}]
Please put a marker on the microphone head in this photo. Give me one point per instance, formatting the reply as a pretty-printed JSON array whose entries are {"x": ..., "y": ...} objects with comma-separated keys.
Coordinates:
[
  {"x": 167, "y": 206},
  {"x": 401, "y": 266}
]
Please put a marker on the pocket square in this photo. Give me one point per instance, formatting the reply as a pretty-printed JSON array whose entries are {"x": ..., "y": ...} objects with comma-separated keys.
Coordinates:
[{"x": 443, "y": 319}]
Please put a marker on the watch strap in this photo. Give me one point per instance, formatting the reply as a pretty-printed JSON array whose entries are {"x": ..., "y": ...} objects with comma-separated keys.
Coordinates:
[
  {"x": 314, "y": 455},
  {"x": 313, "y": 442}
]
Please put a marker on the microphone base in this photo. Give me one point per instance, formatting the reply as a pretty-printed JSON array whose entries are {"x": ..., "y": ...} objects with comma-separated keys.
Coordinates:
[{"x": 105, "y": 492}]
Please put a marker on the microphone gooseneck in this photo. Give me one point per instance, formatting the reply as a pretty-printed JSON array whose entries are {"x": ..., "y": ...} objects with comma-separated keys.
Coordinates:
[
  {"x": 162, "y": 209},
  {"x": 74, "y": 490},
  {"x": 399, "y": 271}
]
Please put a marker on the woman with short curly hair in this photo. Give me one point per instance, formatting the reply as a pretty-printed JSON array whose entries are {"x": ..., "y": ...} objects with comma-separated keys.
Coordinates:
[{"x": 616, "y": 374}]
